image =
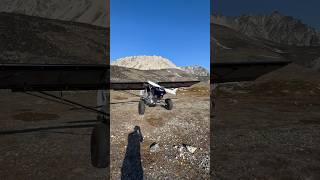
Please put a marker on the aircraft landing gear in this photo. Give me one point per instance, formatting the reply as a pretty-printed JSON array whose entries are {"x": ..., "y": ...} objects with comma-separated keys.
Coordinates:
[
  {"x": 99, "y": 149},
  {"x": 99, "y": 136}
]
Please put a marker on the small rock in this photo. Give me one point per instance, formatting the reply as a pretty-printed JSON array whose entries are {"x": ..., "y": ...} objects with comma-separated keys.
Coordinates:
[
  {"x": 154, "y": 147},
  {"x": 191, "y": 149}
]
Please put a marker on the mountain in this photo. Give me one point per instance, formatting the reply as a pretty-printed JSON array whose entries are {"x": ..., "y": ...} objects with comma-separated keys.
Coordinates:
[
  {"x": 29, "y": 39},
  {"x": 95, "y": 12},
  {"x": 197, "y": 71},
  {"x": 159, "y": 64},
  {"x": 145, "y": 63},
  {"x": 230, "y": 45},
  {"x": 274, "y": 27}
]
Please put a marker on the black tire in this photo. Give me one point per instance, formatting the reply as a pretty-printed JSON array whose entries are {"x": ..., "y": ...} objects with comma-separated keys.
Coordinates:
[
  {"x": 169, "y": 104},
  {"x": 141, "y": 107},
  {"x": 99, "y": 145}
]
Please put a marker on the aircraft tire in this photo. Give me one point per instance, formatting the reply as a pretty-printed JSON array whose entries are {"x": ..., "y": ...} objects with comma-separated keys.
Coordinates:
[
  {"x": 141, "y": 107},
  {"x": 169, "y": 104},
  {"x": 99, "y": 145}
]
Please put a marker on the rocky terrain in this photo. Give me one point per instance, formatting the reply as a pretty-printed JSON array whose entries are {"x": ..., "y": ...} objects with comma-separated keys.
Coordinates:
[
  {"x": 28, "y": 39},
  {"x": 42, "y": 139},
  {"x": 95, "y": 12},
  {"x": 275, "y": 27},
  {"x": 161, "y": 144},
  {"x": 269, "y": 128}
]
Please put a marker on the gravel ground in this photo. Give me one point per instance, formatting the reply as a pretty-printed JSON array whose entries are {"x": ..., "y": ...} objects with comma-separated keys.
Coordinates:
[
  {"x": 266, "y": 132},
  {"x": 169, "y": 133},
  {"x": 45, "y": 140},
  {"x": 41, "y": 139}
]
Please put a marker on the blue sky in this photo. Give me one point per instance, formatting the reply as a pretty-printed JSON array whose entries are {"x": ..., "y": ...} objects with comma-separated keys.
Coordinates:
[
  {"x": 306, "y": 10},
  {"x": 175, "y": 29}
]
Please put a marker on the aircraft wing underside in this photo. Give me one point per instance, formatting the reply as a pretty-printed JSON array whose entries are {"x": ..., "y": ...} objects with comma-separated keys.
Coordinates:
[{"x": 41, "y": 77}]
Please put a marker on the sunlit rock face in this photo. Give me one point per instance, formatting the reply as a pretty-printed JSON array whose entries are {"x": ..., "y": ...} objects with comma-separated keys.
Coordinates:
[
  {"x": 95, "y": 12},
  {"x": 145, "y": 63}
]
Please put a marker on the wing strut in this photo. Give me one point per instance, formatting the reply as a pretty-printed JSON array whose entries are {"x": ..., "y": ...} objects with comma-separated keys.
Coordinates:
[{"x": 69, "y": 102}]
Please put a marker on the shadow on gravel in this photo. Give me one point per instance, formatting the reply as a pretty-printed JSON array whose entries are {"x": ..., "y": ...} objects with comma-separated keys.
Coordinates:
[{"x": 131, "y": 167}]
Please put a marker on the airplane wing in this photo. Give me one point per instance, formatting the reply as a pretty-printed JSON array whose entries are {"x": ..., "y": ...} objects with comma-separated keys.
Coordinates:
[
  {"x": 242, "y": 71},
  {"x": 41, "y": 77}
]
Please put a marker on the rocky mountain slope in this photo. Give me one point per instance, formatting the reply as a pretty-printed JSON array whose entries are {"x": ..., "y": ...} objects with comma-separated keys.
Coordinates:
[
  {"x": 145, "y": 63},
  {"x": 198, "y": 71},
  {"x": 229, "y": 45},
  {"x": 85, "y": 11},
  {"x": 275, "y": 27},
  {"x": 28, "y": 39}
]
